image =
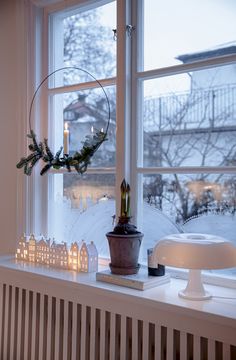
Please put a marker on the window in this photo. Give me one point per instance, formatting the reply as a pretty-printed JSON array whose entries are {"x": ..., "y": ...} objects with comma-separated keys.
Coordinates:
[
  {"x": 83, "y": 39},
  {"x": 172, "y": 96},
  {"x": 187, "y": 122}
]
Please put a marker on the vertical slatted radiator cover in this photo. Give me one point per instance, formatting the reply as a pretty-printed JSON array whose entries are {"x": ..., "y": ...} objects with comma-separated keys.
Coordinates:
[{"x": 48, "y": 318}]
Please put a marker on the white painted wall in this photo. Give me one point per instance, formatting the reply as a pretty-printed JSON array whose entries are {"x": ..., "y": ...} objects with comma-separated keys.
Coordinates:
[
  {"x": 217, "y": 76},
  {"x": 12, "y": 70}
]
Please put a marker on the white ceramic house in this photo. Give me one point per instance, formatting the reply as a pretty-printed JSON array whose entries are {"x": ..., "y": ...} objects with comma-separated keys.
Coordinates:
[
  {"x": 79, "y": 258},
  {"x": 58, "y": 255},
  {"x": 88, "y": 257},
  {"x": 42, "y": 251},
  {"x": 74, "y": 257},
  {"x": 22, "y": 251},
  {"x": 52, "y": 254},
  {"x": 32, "y": 248}
]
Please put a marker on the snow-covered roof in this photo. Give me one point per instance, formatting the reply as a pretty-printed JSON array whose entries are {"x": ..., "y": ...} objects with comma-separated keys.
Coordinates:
[{"x": 219, "y": 50}]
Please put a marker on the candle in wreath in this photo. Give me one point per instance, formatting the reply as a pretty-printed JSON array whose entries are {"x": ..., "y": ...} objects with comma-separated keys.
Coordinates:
[{"x": 66, "y": 139}]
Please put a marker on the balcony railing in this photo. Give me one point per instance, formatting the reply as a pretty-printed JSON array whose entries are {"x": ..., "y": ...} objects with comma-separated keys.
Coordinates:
[{"x": 212, "y": 108}]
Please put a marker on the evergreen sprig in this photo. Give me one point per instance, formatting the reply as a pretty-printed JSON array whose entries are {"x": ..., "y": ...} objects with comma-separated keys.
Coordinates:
[
  {"x": 41, "y": 151},
  {"x": 79, "y": 161}
]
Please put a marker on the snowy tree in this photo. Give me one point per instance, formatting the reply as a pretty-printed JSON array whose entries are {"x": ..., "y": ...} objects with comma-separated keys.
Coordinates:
[
  {"x": 88, "y": 44},
  {"x": 185, "y": 130}
]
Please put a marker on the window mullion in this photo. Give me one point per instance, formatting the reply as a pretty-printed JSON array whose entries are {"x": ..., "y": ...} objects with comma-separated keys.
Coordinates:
[
  {"x": 188, "y": 170},
  {"x": 40, "y": 223},
  {"x": 183, "y": 68},
  {"x": 90, "y": 170},
  {"x": 123, "y": 102},
  {"x": 82, "y": 86},
  {"x": 55, "y": 132},
  {"x": 37, "y": 185},
  {"x": 136, "y": 114}
]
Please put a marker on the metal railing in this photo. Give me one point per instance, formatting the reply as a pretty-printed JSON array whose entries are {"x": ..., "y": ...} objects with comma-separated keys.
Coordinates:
[{"x": 201, "y": 108}]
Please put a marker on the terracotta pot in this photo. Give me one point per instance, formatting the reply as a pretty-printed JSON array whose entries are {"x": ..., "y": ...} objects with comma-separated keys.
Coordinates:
[{"x": 124, "y": 252}]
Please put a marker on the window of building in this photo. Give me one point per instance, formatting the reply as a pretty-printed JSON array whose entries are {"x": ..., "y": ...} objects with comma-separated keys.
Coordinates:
[{"x": 171, "y": 83}]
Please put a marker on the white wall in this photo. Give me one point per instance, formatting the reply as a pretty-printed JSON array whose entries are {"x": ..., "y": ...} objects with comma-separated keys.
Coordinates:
[
  {"x": 12, "y": 69},
  {"x": 217, "y": 76}
]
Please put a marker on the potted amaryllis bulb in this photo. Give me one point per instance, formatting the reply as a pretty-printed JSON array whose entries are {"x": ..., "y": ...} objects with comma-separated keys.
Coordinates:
[{"x": 125, "y": 240}]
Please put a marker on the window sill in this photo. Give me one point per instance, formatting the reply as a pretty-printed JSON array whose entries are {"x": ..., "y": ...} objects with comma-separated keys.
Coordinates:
[{"x": 221, "y": 308}]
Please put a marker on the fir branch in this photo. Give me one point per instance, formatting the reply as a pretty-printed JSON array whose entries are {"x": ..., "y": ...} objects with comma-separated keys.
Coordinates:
[
  {"x": 45, "y": 168},
  {"x": 48, "y": 151},
  {"x": 58, "y": 153},
  {"x": 21, "y": 163},
  {"x": 79, "y": 161}
]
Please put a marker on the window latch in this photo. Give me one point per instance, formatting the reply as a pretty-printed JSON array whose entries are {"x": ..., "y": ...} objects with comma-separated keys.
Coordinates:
[
  {"x": 114, "y": 34},
  {"x": 129, "y": 29}
]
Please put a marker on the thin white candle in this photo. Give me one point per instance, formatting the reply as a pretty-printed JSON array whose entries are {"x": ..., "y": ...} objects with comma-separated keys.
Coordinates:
[{"x": 66, "y": 139}]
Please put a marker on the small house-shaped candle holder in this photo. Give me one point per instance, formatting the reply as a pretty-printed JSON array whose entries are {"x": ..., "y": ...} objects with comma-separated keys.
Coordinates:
[{"x": 82, "y": 257}]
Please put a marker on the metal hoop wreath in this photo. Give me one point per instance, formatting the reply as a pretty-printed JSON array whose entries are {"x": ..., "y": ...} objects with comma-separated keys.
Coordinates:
[{"x": 80, "y": 160}]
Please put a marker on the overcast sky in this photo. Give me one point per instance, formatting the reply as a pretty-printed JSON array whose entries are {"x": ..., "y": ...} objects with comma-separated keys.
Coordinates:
[
  {"x": 177, "y": 27},
  {"x": 173, "y": 28}
]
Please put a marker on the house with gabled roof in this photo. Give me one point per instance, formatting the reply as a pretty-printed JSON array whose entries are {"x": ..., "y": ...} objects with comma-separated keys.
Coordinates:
[
  {"x": 32, "y": 248},
  {"x": 80, "y": 257},
  {"x": 42, "y": 251},
  {"x": 88, "y": 257},
  {"x": 74, "y": 256},
  {"x": 22, "y": 251},
  {"x": 58, "y": 255}
]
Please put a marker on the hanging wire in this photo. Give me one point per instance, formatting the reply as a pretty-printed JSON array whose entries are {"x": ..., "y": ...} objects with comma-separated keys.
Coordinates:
[
  {"x": 70, "y": 68},
  {"x": 41, "y": 151}
]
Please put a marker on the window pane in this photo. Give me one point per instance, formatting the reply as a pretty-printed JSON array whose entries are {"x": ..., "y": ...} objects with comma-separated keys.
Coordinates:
[
  {"x": 85, "y": 112},
  {"x": 89, "y": 43},
  {"x": 173, "y": 29},
  {"x": 198, "y": 203},
  {"x": 82, "y": 208},
  {"x": 189, "y": 119}
]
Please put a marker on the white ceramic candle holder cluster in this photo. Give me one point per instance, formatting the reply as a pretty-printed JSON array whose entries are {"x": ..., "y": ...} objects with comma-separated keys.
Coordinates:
[{"x": 80, "y": 257}]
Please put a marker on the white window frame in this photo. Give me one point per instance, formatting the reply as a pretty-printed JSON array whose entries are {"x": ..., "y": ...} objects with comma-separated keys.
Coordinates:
[
  {"x": 138, "y": 77},
  {"x": 137, "y": 168},
  {"x": 129, "y": 156}
]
